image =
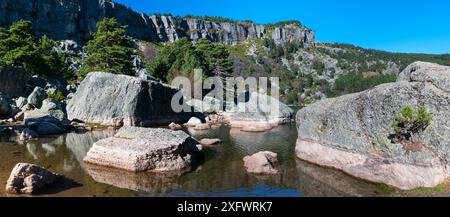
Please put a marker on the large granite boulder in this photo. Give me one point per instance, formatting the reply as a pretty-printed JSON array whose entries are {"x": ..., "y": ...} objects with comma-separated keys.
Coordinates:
[
  {"x": 352, "y": 133},
  {"x": 120, "y": 100},
  {"x": 13, "y": 81},
  {"x": 257, "y": 113},
  {"x": 37, "y": 97},
  {"x": 29, "y": 179},
  {"x": 146, "y": 149}
]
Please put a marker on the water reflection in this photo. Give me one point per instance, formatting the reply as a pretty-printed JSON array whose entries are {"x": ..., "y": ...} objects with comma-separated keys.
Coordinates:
[
  {"x": 321, "y": 182},
  {"x": 222, "y": 173},
  {"x": 79, "y": 144}
]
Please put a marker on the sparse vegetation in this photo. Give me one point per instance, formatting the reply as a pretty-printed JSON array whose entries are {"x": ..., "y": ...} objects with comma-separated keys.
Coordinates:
[
  {"x": 57, "y": 95},
  {"x": 356, "y": 82},
  {"x": 410, "y": 122}
]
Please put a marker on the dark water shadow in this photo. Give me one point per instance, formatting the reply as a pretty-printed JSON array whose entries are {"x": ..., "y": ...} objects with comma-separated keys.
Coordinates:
[{"x": 63, "y": 184}]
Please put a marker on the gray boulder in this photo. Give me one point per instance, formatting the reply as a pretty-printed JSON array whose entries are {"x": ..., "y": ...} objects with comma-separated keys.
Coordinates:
[
  {"x": 53, "y": 108},
  {"x": 21, "y": 102},
  {"x": 50, "y": 104},
  {"x": 37, "y": 96},
  {"x": 352, "y": 132},
  {"x": 121, "y": 100},
  {"x": 13, "y": 81},
  {"x": 145, "y": 149},
  {"x": 47, "y": 128},
  {"x": 43, "y": 123},
  {"x": 29, "y": 179},
  {"x": 258, "y": 112}
]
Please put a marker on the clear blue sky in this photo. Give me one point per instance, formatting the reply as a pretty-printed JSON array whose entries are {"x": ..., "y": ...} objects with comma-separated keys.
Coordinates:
[{"x": 418, "y": 26}]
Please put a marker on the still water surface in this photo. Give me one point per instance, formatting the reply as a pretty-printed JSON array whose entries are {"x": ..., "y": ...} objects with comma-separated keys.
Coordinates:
[{"x": 222, "y": 173}]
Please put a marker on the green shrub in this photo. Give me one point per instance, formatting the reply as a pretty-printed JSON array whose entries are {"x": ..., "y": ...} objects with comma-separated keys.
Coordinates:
[
  {"x": 292, "y": 98},
  {"x": 57, "y": 95},
  {"x": 410, "y": 122},
  {"x": 182, "y": 57}
]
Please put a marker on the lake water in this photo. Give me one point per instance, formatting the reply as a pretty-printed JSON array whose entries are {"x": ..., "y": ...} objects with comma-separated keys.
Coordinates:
[{"x": 221, "y": 174}]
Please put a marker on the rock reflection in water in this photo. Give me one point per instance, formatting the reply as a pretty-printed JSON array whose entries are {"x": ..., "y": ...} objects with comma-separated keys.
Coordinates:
[
  {"x": 253, "y": 142},
  {"x": 155, "y": 183},
  {"x": 318, "y": 181},
  {"x": 79, "y": 144},
  {"x": 221, "y": 174}
]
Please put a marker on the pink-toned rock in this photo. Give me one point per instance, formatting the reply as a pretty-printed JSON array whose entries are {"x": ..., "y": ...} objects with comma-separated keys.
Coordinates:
[
  {"x": 145, "y": 149},
  {"x": 261, "y": 163},
  {"x": 29, "y": 178},
  {"x": 257, "y": 127},
  {"x": 175, "y": 126},
  {"x": 209, "y": 142}
]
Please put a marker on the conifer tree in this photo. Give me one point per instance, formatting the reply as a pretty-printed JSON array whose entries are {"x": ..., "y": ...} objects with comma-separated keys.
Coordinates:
[{"x": 110, "y": 50}]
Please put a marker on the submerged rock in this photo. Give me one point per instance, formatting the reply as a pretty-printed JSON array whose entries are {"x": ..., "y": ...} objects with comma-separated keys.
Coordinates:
[
  {"x": 120, "y": 100},
  {"x": 146, "y": 149},
  {"x": 352, "y": 132},
  {"x": 209, "y": 142},
  {"x": 29, "y": 179},
  {"x": 261, "y": 163}
]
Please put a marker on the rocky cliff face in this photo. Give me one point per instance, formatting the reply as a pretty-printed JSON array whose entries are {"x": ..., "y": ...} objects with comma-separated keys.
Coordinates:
[{"x": 75, "y": 19}]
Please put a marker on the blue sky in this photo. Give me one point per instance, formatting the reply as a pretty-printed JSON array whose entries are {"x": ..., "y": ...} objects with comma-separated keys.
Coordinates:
[{"x": 413, "y": 26}]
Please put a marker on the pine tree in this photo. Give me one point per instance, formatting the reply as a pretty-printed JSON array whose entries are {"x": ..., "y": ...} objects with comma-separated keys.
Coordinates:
[
  {"x": 3, "y": 35},
  {"x": 19, "y": 46},
  {"x": 110, "y": 50}
]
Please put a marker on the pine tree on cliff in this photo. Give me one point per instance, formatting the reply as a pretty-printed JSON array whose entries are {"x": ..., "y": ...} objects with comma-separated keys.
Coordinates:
[
  {"x": 110, "y": 50},
  {"x": 19, "y": 46}
]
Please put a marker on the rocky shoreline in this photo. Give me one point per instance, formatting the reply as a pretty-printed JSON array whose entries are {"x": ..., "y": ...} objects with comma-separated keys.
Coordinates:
[{"x": 353, "y": 133}]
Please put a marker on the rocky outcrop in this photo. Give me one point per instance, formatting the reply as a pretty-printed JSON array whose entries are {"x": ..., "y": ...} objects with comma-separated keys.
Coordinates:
[
  {"x": 263, "y": 162},
  {"x": 146, "y": 149},
  {"x": 75, "y": 19},
  {"x": 352, "y": 133},
  {"x": 29, "y": 179},
  {"x": 258, "y": 113},
  {"x": 120, "y": 100}
]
